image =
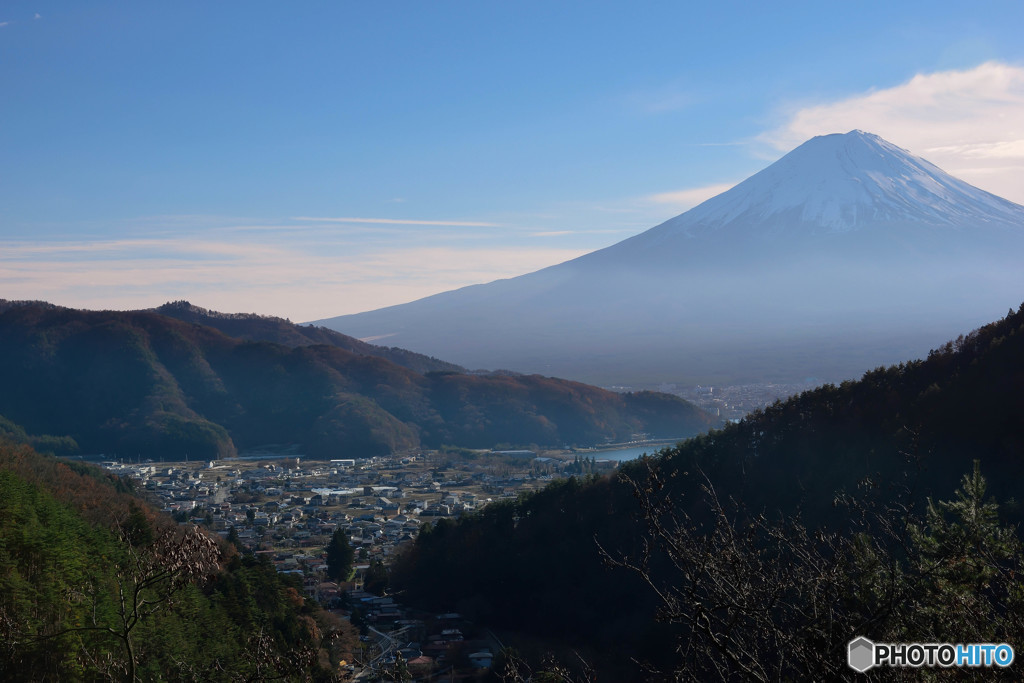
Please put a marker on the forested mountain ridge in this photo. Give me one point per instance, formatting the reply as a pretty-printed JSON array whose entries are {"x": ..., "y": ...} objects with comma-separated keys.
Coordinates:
[
  {"x": 933, "y": 416},
  {"x": 141, "y": 383},
  {"x": 253, "y": 327},
  {"x": 895, "y": 437}
]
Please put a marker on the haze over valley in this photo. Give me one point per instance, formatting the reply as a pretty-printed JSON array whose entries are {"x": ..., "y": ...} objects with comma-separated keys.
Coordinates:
[{"x": 846, "y": 254}]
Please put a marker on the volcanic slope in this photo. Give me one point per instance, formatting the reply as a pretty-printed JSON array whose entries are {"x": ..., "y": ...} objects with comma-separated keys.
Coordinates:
[{"x": 846, "y": 254}]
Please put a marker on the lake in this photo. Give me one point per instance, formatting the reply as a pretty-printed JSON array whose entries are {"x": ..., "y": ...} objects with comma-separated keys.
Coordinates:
[{"x": 623, "y": 454}]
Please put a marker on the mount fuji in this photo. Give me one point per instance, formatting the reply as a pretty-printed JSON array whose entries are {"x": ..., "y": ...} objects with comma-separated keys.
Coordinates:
[{"x": 847, "y": 253}]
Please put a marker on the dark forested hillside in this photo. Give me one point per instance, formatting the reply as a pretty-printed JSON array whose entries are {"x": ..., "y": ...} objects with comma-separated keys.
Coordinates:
[
  {"x": 253, "y": 327},
  {"x": 889, "y": 440},
  {"x": 74, "y": 541},
  {"x": 923, "y": 420},
  {"x": 141, "y": 383}
]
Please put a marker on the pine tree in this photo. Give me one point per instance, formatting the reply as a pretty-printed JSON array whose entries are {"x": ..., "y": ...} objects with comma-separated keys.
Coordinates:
[
  {"x": 234, "y": 540},
  {"x": 376, "y": 580},
  {"x": 339, "y": 557},
  {"x": 965, "y": 565}
]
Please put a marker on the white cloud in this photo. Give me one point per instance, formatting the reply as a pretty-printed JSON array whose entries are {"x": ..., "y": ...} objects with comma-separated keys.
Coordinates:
[
  {"x": 132, "y": 248},
  {"x": 970, "y": 123},
  {"x": 4, "y": 23},
  {"x": 398, "y": 221},
  {"x": 263, "y": 276},
  {"x": 563, "y": 233},
  {"x": 689, "y": 198}
]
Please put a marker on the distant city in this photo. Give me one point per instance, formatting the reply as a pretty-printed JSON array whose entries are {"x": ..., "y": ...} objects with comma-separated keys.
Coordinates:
[{"x": 731, "y": 402}]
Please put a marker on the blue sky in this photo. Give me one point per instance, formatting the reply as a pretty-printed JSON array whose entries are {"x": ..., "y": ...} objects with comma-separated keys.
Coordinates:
[{"x": 313, "y": 159}]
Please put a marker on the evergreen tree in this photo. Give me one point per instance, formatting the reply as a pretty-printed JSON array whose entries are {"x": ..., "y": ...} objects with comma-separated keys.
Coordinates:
[
  {"x": 339, "y": 557},
  {"x": 966, "y": 564},
  {"x": 234, "y": 540},
  {"x": 136, "y": 528},
  {"x": 376, "y": 580}
]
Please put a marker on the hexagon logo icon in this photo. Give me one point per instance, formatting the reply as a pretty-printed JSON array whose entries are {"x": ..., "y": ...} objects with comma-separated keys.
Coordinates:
[{"x": 860, "y": 654}]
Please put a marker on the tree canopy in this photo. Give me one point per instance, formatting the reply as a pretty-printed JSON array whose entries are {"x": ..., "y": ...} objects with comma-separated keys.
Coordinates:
[{"x": 95, "y": 585}]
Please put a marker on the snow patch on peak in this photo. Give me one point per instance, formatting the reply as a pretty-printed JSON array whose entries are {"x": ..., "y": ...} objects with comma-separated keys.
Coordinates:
[{"x": 842, "y": 182}]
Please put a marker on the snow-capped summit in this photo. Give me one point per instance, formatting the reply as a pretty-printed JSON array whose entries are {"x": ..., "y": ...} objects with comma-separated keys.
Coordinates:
[
  {"x": 834, "y": 184},
  {"x": 837, "y": 183},
  {"x": 847, "y": 253}
]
